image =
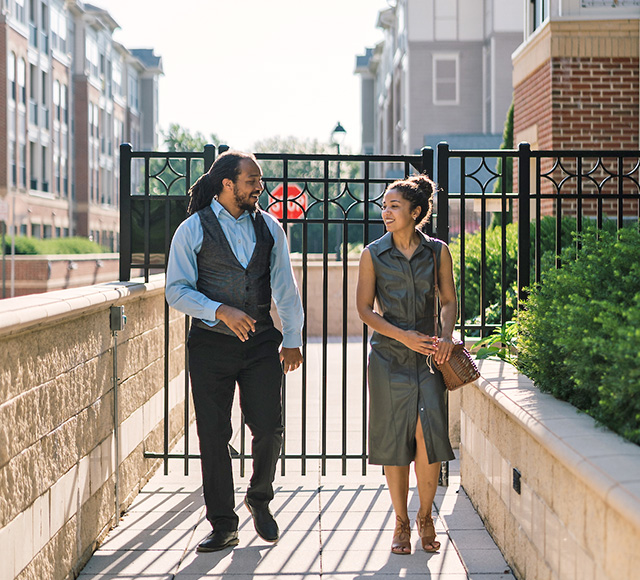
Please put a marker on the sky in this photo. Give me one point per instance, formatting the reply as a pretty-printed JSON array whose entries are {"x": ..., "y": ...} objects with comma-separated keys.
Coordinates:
[{"x": 247, "y": 70}]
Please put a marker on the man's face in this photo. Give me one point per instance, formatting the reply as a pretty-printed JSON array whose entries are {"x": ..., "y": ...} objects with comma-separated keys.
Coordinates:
[{"x": 248, "y": 185}]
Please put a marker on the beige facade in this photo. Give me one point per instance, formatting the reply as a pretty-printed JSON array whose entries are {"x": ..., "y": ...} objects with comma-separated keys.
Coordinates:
[{"x": 442, "y": 70}]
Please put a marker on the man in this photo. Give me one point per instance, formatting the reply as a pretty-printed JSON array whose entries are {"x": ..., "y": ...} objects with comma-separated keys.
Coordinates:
[{"x": 226, "y": 262}]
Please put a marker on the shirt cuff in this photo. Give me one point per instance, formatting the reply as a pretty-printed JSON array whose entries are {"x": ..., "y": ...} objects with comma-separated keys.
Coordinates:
[
  {"x": 293, "y": 340},
  {"x": 210, "y": 313}
]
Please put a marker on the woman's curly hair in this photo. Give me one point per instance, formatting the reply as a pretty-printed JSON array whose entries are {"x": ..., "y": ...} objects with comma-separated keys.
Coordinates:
[{"x": 418, "y": 190}]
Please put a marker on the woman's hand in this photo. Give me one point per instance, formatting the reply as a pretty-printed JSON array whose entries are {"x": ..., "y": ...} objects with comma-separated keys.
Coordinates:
[
  {"x": 444, "y": 346},
  {"x": 419, "y": 342}
]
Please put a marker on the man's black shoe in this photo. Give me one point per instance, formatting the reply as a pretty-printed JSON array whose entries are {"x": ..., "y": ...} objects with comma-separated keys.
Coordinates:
[
  {"x": 218, "y": 540},
  {"x": 264, "y": 523}
]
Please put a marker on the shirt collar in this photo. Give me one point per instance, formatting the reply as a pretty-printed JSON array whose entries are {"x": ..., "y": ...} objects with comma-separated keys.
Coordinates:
[{"x": 218, "y": 209}]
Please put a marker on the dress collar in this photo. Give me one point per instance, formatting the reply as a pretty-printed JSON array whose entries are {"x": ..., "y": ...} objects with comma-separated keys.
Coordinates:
[{"x": 386, "y": 243}]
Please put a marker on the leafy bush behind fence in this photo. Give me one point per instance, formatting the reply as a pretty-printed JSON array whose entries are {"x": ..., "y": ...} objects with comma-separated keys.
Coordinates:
[{"x": 580, "y": 330}]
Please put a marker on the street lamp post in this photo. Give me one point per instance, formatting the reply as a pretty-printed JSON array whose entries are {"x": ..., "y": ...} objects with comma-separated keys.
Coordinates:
[{"x": 337, "y": 138}]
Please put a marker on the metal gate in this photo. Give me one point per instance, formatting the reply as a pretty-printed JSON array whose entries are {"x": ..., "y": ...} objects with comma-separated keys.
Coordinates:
[{"x": 330, "y": 207}]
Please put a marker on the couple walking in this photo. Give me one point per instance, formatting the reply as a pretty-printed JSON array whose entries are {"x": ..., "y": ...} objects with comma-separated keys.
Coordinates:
[{"x": 227, "y": 261}]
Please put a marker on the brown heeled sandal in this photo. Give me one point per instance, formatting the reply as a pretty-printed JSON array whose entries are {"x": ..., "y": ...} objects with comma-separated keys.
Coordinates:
[
  {"x": 401, "y": 543},
  {"x": 427, "y": 532}
]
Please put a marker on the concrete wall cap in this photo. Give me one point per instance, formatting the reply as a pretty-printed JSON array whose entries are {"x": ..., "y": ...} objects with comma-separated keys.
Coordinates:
[{"x": 25, "y": 312}]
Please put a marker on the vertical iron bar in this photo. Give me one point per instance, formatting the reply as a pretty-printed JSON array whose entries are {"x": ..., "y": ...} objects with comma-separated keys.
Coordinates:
[
  {"x": 165, "y": 387},
  {"x": 538, "y": 229},
  {"x": 620, "y": 192},
  {"x": 524, "y": 217},
  {"x": 345, "y": 314},
  {"x": 580, "y": 194},
  {"x": 187, "y": 414},
  {"x": 325, "y": 298},
  {"x": 503, "y": 240},
  {"x": 365, "y": 234},
  {"x": 442, "y": 226},
  {"x": 283, "y": 387},
  {"x": 305, "y": 266},
  {"x": 125, "y": 212},
  {"x": 147, "y": 218}
]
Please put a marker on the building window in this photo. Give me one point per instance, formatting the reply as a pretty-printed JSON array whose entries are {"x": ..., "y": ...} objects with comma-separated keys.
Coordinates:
[
  {"x": 58, "y": 29},
  {"x": 116, "y": 76},
  {"x": 12, "y": 161},
  {"x": 63, "y": 104},
  {"x": 23, "y": 165},
  {"x": 45, "y": 169},
  {"x": 22, "y": 81},
  {"x": 20, "y": 12},
  {"x": 445, "y": 79},
  {"x": 11, "y": 74},
  {"x": 540, "y": 11},
  {"x": 56, "y": 100},
  {"x": 33, "y": 155},
  {"x": 92, "y": 57}
]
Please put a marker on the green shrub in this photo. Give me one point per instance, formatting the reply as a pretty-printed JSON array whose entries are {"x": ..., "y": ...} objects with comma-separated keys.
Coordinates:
[
  {"x": 580, "y": 330},
  {"x": 32, "y": 246},
  {"x": 473, "y": 263}
]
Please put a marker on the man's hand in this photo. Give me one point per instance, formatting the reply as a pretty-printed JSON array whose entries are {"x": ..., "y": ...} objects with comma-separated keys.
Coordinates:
[
  {"x": 291, "y": 359},
  {"x": 239, "y": 322}
]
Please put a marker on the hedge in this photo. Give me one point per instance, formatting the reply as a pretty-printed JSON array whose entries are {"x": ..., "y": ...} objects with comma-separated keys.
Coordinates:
[
  {"x": 580, "y": 330},
  {"x": 473, "y": 261},
  {"x": 74, "y": 245}
]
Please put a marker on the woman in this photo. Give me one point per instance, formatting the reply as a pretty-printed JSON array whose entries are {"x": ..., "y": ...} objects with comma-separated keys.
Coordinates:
[{"x": 408, "y": 399}]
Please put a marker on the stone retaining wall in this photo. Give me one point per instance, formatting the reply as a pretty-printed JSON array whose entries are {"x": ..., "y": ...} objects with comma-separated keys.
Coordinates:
[
  {"x": 57, "y": 445},
  {"x": 577, "y": 512}
]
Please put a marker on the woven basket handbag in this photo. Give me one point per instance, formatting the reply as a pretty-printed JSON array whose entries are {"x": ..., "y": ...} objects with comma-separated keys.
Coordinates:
[{"x": 460, "y": 369}]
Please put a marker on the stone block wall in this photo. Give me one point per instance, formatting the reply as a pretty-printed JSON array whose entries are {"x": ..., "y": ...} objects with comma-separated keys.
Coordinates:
[
  {"x": 559, "y": 494},
  {"x": 57, "y": 442}
]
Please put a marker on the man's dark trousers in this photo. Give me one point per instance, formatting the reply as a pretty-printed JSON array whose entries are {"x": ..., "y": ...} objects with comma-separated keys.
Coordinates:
[{"x": 216, "y": 362}]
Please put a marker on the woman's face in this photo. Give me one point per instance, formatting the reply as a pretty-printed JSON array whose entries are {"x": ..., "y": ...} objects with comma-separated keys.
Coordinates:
[{"x": 396, "y": 211}]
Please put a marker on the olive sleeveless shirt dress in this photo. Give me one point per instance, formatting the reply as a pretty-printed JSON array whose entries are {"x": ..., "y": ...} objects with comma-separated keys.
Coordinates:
[{"x": 401, "y": 385}]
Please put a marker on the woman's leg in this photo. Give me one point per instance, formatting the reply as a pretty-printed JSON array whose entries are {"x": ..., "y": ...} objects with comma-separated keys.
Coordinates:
[
  {"x": 398, "y": 482},
  {"x": 427, "y": 479}
]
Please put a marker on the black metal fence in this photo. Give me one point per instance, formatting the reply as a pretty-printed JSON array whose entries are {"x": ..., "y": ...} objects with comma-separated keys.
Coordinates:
[{"x": 330, "y": 207}]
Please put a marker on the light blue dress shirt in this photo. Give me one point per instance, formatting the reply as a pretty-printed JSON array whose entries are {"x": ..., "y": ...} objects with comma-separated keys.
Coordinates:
[{"x": 182, "y": 270}]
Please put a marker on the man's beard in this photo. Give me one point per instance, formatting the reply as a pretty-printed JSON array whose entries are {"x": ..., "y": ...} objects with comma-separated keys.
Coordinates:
[{"x": 243, "y": 204}]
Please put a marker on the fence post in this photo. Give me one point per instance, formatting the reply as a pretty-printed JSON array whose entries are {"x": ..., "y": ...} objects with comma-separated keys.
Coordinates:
[
  {"x": 524, "y": 219},
  {"x": 209, "y": 156},
  {"x": 125, "y": 211},
  {"x": 442, "y": 217},
  {"x": 427, "y": 161}
]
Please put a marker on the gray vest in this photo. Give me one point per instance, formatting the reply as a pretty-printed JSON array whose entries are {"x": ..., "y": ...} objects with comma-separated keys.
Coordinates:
[{"x": 223, "y": 279}]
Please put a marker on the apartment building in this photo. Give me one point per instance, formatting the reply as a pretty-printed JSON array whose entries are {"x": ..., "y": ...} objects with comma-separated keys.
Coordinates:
[
  {"x": 576, "y": 76},
  {"x": 442, "y": 73},
  {"x": 70, "y": 96}
]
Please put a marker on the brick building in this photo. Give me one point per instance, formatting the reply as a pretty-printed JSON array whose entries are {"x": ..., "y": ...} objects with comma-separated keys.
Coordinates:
[
  {"x": 70, "y": 96},
  {"x": 576, "y": 82}
]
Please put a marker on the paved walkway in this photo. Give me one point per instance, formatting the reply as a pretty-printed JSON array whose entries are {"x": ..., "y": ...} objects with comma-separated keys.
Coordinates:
[{"x": 331, "y": 527}]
